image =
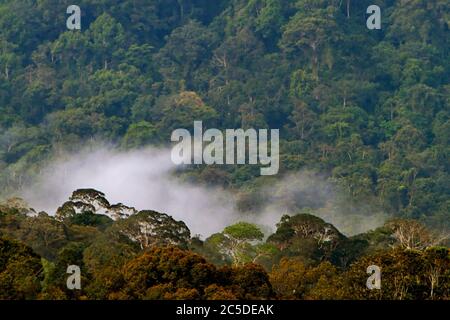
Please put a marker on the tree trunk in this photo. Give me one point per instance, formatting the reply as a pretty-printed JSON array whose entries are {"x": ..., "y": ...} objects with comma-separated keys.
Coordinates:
[
  {"x": 180, "y": 4},
  {"x": 315, "y": 61},
  {"x": 348, "y": 9}
]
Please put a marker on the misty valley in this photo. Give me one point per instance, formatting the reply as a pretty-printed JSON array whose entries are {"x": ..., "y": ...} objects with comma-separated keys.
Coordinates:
[{"x": 224, "y": 150}]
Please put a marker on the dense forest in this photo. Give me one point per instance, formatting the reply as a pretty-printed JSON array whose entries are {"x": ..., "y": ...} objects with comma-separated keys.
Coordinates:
[
  {"x": 368, "y": 110},
  {"x": 128, "y": 254}
]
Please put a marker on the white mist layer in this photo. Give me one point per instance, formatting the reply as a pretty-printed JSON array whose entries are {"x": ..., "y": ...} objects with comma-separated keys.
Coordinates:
[
  {"x": 301, "y": 191},
  {"x": 141, "y": 179},
  {"x": 144, "y": 179}
]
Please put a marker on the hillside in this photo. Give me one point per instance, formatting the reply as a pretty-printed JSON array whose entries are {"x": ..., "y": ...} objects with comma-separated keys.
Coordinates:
[
  {"x": 364, "y": 143},
  {"x": 367, "y": 108}
]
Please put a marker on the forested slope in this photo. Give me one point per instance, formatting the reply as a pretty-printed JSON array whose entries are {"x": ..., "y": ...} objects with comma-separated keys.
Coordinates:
[{"x": 367, "y": 108}]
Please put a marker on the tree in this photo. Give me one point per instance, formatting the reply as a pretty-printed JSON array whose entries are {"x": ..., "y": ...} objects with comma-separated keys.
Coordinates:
[
  {"x": 437, "y": 273},
  {"x": 170, "y": 267},
  {"x": 56, "y": 273},
  {"x": 236, "y": 241},
  {"x": 92, "y": 202},
  {"x": 286, "y": 278},
  {"x": 103, "y": 260},
  {"x": 215, "y": 292},
  {"x": 185, "y": 49},
  {"x": 181, "y": 110},
  {"x": 310, "y": 31},
  {"x": 303, "y": 119},
  {"x": 20, "y": 271},
  {"x": 250, "y": 282},
  {"x": 292, "y": 279},
  {"x": 114, "y": 92},
  {"x": 236, "y": 54},
  {"x": 69, "y": 52},
  {"x": 140, "y": 134},
  {"x": 405, "y": 275},
  {"x": 151, "y": 228},
  {"x": 8, "y": 59},
  {"x": 106, "y": 38},
  {"x": 307, "y": 236},
  {"x": 413, "y": 235},
  {"x": 44, "y": 234},
  {"x": 405, "y": 17}
]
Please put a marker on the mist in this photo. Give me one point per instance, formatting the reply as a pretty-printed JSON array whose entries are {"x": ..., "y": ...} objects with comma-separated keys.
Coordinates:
[
  {"x": 144, "y": 179},
  {"x": 311, "y": 192}
]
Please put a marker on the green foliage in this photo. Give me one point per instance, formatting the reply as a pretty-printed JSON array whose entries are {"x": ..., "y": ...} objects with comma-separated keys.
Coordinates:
[
  {"x": 429, "y": 269},
  {"x": 149, "y": 255},
  {"x": 309, "y": 237},
  {"x": 235, "y": 242},
  {"x": 367, "y": 109},
  {"x": 20, "y": 271},
  {"x": 151, "y": 228},
  {"x": 243, "y": 231},
  {"x": 140, "y": 134},
  {"x": 91, "y": 219}
]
